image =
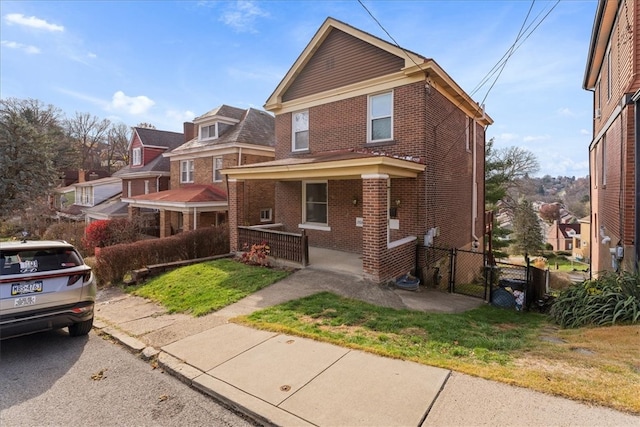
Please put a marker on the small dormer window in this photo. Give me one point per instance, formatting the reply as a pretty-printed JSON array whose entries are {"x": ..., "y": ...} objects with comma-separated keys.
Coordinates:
[
  {"x": 136, "y": 155},
  {"x": 208, "y": 131},
  {"x": 213, "y": 130}
]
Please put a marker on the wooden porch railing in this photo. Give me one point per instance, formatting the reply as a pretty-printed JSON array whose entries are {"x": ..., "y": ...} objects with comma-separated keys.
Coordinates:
[{"x": 289, "y": 246}]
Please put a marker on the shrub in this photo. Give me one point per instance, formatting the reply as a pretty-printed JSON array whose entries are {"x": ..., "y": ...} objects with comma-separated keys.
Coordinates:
[
  {"x": 115, "y": 261},
  {"x": 72, "y": 232},
  {"x": 612, "y": 298},
  {"x": 257, "y": 254},
  {"x": 108, "y": 232}
]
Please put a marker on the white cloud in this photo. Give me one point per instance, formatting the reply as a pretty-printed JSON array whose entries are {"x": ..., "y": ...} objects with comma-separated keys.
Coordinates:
[
  {"x": 531, "y": 138},
  {"x": 241, "y": 16},
  {"x": 566, "y": 112},
  {"x": 183, "y": 116},
  {"x": 134, "y": 105},
  {"x": 19, "y": 46},
  {"x": 92, "y": 55},
  {"x": 32, "y": 22},
  {"x": 506, "y": 137},
  {"x": 585, "y": 132}
]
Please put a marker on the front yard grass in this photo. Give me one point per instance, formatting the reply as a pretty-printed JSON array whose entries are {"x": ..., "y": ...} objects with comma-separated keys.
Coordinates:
[
  {"x": 596, "y": 365},
  {"x": 205, "y": 287}
]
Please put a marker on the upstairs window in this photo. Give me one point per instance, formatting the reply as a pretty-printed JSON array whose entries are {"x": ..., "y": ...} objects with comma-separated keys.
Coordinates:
[
  {"x": 380, "y": 123},
  {"x": 300, "y": 131},
  {"x": 136, "y": 155},
  {"x": 470, "y": 134},
  {"x": 208, "y": 132},
  {"x": 186, "y": 171},
  {"x": 217, "y": 165},
  {"x": 609, "y": 75}
]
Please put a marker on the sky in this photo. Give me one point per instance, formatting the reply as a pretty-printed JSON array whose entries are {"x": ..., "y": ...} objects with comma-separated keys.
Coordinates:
[{"x": 166, "y": 62}]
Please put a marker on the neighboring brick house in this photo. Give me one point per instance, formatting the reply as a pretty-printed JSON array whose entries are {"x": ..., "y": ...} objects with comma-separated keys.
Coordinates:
[
  {"x": 561, "y": 236},
  {"x": 197, "y": 195},
  {"x": 376, "y": 147},
  {"x": 148, "y": 172},
  {"x": 613, "y": 75}
]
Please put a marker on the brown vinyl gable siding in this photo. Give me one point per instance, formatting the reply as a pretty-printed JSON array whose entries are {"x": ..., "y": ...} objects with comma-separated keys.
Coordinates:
[
  {"x": 348, "y": 59},
  {"x": 150, "y": 153}
]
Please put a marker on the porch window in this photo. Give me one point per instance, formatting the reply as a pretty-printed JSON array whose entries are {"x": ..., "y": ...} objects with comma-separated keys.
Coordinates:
[
  {"x": 300, "y": 132},
  {"x": 315, "y": 197},
  {"x": 380, "y": 123},
  {"x": 217, "y": 166},
  {"x": 186, "y": 171},
  {"x": 136, "y": 156}
]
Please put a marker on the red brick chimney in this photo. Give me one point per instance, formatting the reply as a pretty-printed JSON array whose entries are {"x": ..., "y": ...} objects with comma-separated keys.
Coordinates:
[
  {"x": 81, "y": 177},
  {"x": 189, "y": 131}
]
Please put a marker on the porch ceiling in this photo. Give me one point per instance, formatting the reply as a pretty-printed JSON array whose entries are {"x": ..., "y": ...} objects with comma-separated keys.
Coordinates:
[{"x": 338, "y": 165}]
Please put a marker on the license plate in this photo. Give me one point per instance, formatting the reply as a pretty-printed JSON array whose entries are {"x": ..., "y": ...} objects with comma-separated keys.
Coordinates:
[
  {"x": 26, "y": 288},
  {"x": 22, "y": 301}
]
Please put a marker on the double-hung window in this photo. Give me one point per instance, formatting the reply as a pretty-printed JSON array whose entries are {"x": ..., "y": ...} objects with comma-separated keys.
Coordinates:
[
  {"x": 315, "y": 198},
  {"x": 208, "y": 132},
  {"x": 137, "y": 156},
  {"x": 300, "y": 126},
  {"x": 217, "y": 166},
  {"x": 186, "y": 171},
  {"x": 380, "y": 122}
]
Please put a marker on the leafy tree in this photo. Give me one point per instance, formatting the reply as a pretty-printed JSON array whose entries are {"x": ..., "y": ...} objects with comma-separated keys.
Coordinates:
[
  {"x": 30, "y": 136},
  {"x": 526, "y": 229},
  {"x": 550, "y": 212}
]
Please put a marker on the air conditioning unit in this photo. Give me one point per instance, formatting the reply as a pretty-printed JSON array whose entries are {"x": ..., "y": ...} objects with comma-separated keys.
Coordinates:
[{"x": 597, "y": 114}]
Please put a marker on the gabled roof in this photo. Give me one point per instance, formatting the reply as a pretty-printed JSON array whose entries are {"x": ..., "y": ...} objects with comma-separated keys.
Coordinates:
[
  {"x": 414, "y": 65},
  {"x": 565, "y": 229},
  {"x": 603, "y": 22},
  {"x": 158, "y": 166},
  {"x": 157, "y": 138},
  {"x": 255, "y": 127}
]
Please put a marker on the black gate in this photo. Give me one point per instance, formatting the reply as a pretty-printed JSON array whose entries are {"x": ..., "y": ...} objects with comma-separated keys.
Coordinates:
[{"x": 471, "y": 273}]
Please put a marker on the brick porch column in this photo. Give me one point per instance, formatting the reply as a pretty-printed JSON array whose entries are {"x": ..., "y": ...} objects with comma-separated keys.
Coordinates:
[
  {"x": 165, "y": 223},
  {"x": 132, "y": 212},
  {"x": 187, "y": 220},
  {"x": 374, "y": 231},
  {"x": 236, "y": 211}
]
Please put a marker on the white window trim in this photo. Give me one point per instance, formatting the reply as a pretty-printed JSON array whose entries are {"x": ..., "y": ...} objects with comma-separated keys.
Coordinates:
[
  {"x": 216, "y": 169},
  {"x": 269, "y": 212},
  {"x": 293, "y": 132},
  {"x": 609, "y": 74},
  {"x": 313, "y": 225},
  {"x": 604, "y": 160},
  {"x": 190, "y": 172},
  {"x": 208, "y": 125},
  {"x": 370, "y": 118},
  {"x": 136, "y": 156}
]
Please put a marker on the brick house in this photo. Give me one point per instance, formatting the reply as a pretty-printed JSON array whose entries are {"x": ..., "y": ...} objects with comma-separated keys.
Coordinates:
[
  {"x": 613, "y": 75},
  {"x": 197, "y": 193},
  {"x": 147, "y": 172},
  {"x": 376, "y": 148},
  {"x": 561, "y": 236}
]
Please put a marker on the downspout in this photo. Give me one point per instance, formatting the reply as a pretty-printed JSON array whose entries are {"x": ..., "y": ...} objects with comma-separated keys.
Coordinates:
[
  {"x": 474, "y": 197},
  {"x": 195, "y": 218},
  {"x": 636, "y": 124}
]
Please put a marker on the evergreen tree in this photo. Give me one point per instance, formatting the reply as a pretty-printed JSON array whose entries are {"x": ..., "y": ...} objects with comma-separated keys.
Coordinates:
[{"x": 527, "y": 232}]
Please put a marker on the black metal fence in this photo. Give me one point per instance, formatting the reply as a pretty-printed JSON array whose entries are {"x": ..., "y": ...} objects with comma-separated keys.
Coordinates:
[{"x": 471, "y": 273}]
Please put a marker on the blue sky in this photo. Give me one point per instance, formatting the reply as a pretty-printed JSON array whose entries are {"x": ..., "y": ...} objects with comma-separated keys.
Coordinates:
[{"x": 165, "y": 62}]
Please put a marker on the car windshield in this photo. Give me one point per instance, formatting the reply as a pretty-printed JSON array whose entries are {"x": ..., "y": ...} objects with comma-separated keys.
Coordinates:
[{"x": 35, "y": 260}]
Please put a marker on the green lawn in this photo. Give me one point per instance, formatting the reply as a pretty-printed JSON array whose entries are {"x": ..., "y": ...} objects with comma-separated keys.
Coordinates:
[
  {"x": 488, "y": 342},
  {"x": 202, "y": 288}
]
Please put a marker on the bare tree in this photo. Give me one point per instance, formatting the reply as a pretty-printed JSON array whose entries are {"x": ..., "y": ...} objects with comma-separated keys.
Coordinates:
[
  {"x": 117, "y": 153},
  {"x": 89, "y": 134},
  {"x": 145, "y": 125}
]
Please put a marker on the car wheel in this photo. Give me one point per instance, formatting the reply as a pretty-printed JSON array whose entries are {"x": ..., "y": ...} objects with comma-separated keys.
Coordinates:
[{"x": 81, "y": 328}]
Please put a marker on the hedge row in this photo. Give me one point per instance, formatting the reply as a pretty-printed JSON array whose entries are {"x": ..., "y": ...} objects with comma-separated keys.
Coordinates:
[{"x": 113, "y": 262}]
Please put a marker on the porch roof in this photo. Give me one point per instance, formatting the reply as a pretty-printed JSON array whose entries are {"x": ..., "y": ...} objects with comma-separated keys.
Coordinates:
[
  {"x": 204, "y": 197},
  {"x": 329, "y": 165}
]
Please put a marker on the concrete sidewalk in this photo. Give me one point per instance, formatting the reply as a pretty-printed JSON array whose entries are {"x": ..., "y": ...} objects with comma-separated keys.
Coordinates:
[{"x": 290, "y": 381}]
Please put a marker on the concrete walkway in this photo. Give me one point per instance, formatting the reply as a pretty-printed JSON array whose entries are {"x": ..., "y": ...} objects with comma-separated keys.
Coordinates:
[{"x": 285, "y": 380}]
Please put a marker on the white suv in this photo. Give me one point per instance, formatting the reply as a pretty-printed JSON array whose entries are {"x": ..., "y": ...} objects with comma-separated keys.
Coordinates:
[{"x": 44, "y": 285}]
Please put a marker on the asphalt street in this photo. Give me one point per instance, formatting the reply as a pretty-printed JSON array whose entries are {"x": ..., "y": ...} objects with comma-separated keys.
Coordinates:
[{"x": 53, "y": 379}]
